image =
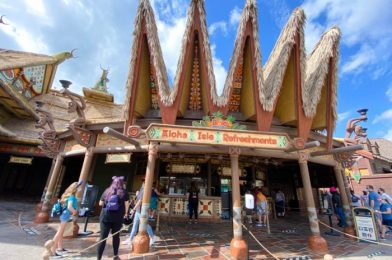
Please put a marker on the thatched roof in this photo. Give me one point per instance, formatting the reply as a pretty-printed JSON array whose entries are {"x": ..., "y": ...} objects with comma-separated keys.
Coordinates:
[
  {"x": 5, "y": 132},
  {"x": 313, "y": 70},
  {"x": 276, "y": 64},
  {"x": 317, "y": 70},
  {"x": 16, "y": 59}
]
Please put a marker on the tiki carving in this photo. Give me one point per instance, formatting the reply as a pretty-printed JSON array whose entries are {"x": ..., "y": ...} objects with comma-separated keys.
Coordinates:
[
  {"x": 353, "y": 127},
  {"x": 101, "y": 84},
  {"x": 78, "y": 125},
  {"x": 48, "y": 135},
  {"x": 77, "y": 104}
]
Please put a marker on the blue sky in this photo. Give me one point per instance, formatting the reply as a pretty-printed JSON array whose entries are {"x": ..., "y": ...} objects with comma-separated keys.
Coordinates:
[{"x": 102, "y": 32}]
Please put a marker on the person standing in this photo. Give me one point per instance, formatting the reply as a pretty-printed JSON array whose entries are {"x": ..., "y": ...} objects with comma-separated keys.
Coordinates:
[
  {"x": 280, "y": 203},
  {"x": 386, "y": 212},
  {"x": 136, "y": 219},
  {"x": 365, "y": 199},
  {"x": 338, "y": 207},
  {"x": 355, "y": 200},
  {"x": 193, "y": 201},
  {"x": 115, "y": 203},
  {"x": 374, "y": 203},
  {"x": 385, "y": 196},
  {"x": 153, "y": 202},
  {"x": 261, "y": 208},
  {"x": 69, "y": 203}
]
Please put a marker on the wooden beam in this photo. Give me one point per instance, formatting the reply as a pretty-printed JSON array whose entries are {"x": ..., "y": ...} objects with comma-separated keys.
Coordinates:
[
  {"x": 306, "y": 146},
  {"x": 118, "y": 135},
  {"x": 338, "y": 150}
]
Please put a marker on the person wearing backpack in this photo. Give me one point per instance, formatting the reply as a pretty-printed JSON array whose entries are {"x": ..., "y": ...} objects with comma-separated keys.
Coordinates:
[
  {"x": 115, "y": 203},
  {"x": 68, "y": 205},
  {"x": 355, "y": 200}
]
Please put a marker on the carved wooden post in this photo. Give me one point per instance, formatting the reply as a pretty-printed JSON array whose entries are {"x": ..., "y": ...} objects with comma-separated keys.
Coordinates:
[
  {"x": 141, "y": 242},
  {"x": 346, "y": 199},
  {"x": 88, "y": 158},
  {"x": 315, "y": 242},
  {"x": 238, "y": 246},
  {"x": 43, "y": 215}
]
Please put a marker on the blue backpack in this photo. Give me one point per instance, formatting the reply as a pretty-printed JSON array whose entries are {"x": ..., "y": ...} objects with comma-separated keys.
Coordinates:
[
  {"x": 113, "y": 204},
  {"x": 57, "y": 209}
]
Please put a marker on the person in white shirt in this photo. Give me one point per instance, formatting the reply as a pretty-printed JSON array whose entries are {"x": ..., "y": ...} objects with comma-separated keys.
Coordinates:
[{"x": 385, "y": 196}]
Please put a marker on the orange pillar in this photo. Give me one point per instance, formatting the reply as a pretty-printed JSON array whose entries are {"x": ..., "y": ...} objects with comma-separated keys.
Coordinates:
[
  {"x": 238, "y": 246},
  {"x": 141, "y": 242},
  {"x": 315, "y": 242},
  {"x": 43, "y": 215}
]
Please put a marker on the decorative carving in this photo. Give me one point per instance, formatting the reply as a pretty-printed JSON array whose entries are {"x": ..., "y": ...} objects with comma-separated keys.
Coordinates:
[
  {"x": 153, "y": 149},
  {"x": 101, "y": 83},
  {"x": 153, "y": 87},
  {"x": 77, "y": 104},
  {"x": 234, "y": 151},
  {"x": 303, "y": 157},
  {"x": 345, "y": 158},
  {"x": 135, "y": 131},
  {"x": 235, "y": 97},
  {"x": 78, "y": 125},
  {"x": 217, "y": 121},
  {"x": 51, "y": 143},
  {"x": 195, "y": 93},
  {"x": 360, "y": 133}
]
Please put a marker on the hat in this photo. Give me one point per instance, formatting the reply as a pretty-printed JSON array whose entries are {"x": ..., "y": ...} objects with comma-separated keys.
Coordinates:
[{"x": 332, "y": 189}]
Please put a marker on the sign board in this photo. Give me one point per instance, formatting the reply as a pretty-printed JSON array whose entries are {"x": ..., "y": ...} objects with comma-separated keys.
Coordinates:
[
  {"x": 365, "y": 224},
  {"x": 20, "y": 160},
  {"x": 118, "y": 158},
  {"x": 211, "y": 136}
]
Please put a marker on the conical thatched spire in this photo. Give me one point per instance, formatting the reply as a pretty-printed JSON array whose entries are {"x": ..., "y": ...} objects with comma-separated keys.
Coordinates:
[
  {"x": 277, "y": 62},
  {"x": 318, "y": 69}
]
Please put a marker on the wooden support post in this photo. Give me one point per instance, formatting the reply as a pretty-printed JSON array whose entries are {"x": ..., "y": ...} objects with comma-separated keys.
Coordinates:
[
  {"x": 238, "y": 246},
  {"x": 43, "y": 215},
  {"x": 209, "y": 178},
  {"x": 315, "y": 242},
  {"x": 88, "y": 158},
  {"x": 346, "y": 200},
  {"x": 141, "y": 242}
]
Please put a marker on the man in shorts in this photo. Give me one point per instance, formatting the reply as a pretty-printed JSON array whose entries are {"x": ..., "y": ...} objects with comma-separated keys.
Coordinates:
[{"x": 261, "y": 207}]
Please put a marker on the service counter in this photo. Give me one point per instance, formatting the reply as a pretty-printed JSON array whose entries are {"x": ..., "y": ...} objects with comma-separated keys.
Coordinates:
[{"x": 177, "y": 206}]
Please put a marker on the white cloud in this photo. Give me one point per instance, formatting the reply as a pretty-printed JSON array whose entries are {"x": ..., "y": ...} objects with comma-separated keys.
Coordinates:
[
  {"x": 343, "y": 116},
  {"x": 389, "y": 92},
  {"x": 388, "y": 135},
  {"x": 25, "y": 38},
  {"x": 358, "y": 61},
  {"x": 385, "y": 116},
  {"x": 219, "y": 71},
  {"x": 365, "y": 28},
  {"x": 235, "y": 16},
  {"x": 218, "y": 26}
]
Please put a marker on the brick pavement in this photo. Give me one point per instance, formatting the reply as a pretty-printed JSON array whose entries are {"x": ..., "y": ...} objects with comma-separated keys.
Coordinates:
[{"x": 22, "y": 239}]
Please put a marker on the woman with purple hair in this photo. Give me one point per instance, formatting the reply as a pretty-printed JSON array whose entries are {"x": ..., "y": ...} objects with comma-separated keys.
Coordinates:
[{"x": 115, "y": 203}]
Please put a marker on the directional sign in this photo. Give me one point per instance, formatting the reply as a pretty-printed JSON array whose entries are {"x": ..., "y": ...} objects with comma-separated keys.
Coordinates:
[{"x": 211, "y": 136}]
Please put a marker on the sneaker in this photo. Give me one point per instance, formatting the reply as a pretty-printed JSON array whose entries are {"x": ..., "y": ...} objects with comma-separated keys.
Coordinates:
[
  {"x": 383, "y": 238},
  {"x": 126, "y": 242},
  {"x": 190, "y": 221},
  {"x": 152, "y": 240},
  {"x": 61, "y": 252},
  {"x": 195, "y": 221},
  {"x": 259, "y": 225}
]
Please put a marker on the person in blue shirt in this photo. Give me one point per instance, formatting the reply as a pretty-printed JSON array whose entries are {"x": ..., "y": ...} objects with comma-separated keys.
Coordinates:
[
  {"x": 69, "y": 203},
  {"x": 386, "y": 212},
  {"x": 374, "y": 203}
]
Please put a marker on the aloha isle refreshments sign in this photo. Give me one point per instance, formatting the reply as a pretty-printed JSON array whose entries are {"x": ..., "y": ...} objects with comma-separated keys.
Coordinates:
[{"x": 211, "y": 136}]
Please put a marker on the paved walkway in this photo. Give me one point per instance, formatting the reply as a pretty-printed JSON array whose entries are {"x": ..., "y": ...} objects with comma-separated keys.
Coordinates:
[{"x": 21, "y": 239}]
